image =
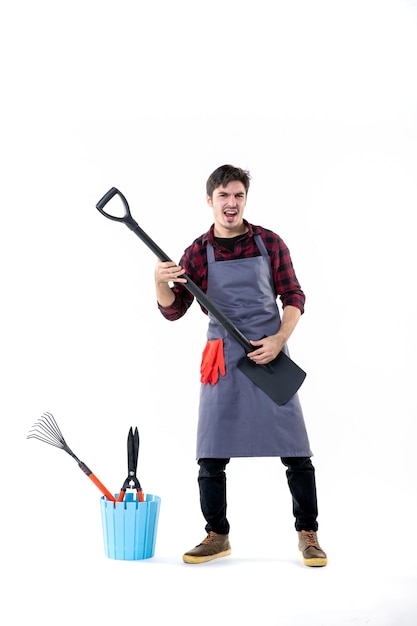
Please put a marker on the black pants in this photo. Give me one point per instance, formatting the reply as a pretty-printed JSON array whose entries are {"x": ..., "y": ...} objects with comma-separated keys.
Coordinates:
[{"x": 301, "y": 481}]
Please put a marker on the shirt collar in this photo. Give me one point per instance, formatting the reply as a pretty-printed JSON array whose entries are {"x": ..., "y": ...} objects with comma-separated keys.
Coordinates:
[{"x": 209, "y": 236}]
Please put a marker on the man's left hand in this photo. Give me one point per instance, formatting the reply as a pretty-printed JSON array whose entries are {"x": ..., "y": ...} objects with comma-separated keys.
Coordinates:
[{"x": 266, "y": 349}]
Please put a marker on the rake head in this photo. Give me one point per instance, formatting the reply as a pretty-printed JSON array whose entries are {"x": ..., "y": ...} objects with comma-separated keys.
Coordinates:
[{"x": 47, "y": 430}]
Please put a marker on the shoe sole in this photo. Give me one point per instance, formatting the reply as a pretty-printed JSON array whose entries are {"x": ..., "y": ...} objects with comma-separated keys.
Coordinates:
[
  {"x": 318, "y": 562},
  {"x": 188, "y": 558}
]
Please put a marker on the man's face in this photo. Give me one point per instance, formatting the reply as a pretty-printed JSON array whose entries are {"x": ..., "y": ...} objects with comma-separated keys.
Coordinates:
[{"x": 228, "y": 204}]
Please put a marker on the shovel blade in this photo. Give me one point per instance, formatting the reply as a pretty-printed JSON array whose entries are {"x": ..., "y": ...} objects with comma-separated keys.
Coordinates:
[{"x": 280, "y": 379}]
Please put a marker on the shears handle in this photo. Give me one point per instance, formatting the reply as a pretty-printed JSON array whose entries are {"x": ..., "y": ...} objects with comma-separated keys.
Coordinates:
[{"x": 122, "y": 493}]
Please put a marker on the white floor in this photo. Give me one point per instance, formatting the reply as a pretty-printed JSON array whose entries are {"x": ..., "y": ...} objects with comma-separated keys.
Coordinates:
[
  {"x": 241, "y": 589},
  {"x": 56, "y": 571}
]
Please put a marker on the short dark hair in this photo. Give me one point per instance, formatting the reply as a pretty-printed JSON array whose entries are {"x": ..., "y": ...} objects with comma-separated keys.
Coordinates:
[{"x": 224, "y": 175}]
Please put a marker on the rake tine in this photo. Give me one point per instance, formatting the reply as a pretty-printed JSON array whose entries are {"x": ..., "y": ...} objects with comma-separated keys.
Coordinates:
[
  {"x": 53, "y": 426},
  {"x": 44, "y": 439}
]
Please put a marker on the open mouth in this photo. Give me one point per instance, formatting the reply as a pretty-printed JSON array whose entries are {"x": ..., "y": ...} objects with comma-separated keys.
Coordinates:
[{"x": 230, "y": 215}]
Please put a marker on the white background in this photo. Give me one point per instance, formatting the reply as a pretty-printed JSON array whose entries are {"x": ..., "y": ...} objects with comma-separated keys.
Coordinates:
[{"x": 319, "y": 101}]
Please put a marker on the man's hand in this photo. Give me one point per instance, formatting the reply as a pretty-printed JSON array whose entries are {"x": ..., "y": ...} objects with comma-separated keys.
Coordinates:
[
  {"x": 267, "y": 349},
  {"x": 167, "y": 271}
]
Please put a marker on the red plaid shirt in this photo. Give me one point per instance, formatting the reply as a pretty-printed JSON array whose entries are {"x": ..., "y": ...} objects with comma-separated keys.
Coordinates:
[{"x": 194, "y": 262}]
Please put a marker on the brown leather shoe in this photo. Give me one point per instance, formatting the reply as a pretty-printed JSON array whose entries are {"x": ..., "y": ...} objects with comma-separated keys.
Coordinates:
[
  {"x": 310, "y": 548},
  {"x": 212, "y": 547}
]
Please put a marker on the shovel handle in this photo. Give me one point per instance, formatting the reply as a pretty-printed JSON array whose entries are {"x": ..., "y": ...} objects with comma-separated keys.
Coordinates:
[
  {"x": 106, "y": 198},
  {"x": 189, "y": 285}
]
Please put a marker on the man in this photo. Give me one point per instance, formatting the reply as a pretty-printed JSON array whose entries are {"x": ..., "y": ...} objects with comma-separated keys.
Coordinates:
[{"x": 242, "y": 268}]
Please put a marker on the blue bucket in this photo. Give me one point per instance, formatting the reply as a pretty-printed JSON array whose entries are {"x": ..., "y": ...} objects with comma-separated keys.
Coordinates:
[{"x": 130, "y": 527}]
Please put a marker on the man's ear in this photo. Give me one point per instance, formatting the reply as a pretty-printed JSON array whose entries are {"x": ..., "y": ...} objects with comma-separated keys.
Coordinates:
[{"x": 209, "y": 200}]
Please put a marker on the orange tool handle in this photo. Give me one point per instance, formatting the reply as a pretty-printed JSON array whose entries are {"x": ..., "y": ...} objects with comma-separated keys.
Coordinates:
[
  {"x": 102, "y": 488},
  {"x": 122, "y": 495},
  {"x": 96, "y": 481}
]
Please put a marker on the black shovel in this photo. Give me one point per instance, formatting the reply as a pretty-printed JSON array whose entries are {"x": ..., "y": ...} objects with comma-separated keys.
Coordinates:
[{"x": 280, "y": 379}]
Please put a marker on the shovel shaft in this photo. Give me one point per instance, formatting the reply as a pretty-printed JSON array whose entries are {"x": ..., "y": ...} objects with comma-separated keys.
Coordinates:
[{"x": 193, "y": 288}]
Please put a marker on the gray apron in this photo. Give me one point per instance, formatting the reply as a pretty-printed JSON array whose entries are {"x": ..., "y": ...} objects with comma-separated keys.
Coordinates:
[{"x": 236, "y": 418}]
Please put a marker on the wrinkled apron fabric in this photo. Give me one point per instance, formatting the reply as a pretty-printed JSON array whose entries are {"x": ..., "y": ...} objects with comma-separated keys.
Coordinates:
[{"x": 236, "y": 418}]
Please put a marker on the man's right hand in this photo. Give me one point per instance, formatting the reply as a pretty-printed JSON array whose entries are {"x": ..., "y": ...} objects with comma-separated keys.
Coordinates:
[{"x": 167, "y": 272}]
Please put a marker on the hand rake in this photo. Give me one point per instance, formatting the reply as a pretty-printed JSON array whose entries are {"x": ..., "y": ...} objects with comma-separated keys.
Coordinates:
[{"x": 46, "y": 429}]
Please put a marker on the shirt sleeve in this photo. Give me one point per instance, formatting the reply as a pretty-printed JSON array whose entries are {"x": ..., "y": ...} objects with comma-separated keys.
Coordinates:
[
  {"x": 286, "y": 282},
  {"x": 193, "y": 262},
  {"x": 182, "y": 302}
]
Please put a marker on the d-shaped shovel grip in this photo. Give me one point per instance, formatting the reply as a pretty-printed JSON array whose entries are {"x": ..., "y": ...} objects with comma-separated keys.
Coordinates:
[{"x": 106, "y": 198}]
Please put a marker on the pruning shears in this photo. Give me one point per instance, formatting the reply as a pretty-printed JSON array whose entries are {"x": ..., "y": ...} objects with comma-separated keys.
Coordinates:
[{"x": 132, "y": 481}]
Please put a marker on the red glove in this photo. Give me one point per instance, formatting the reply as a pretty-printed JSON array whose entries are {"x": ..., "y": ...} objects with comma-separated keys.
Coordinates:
[{"x": 212, "y": 362}]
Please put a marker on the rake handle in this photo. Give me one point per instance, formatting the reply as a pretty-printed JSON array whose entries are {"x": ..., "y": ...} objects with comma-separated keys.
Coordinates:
[{"x": 96, "y": 481}]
